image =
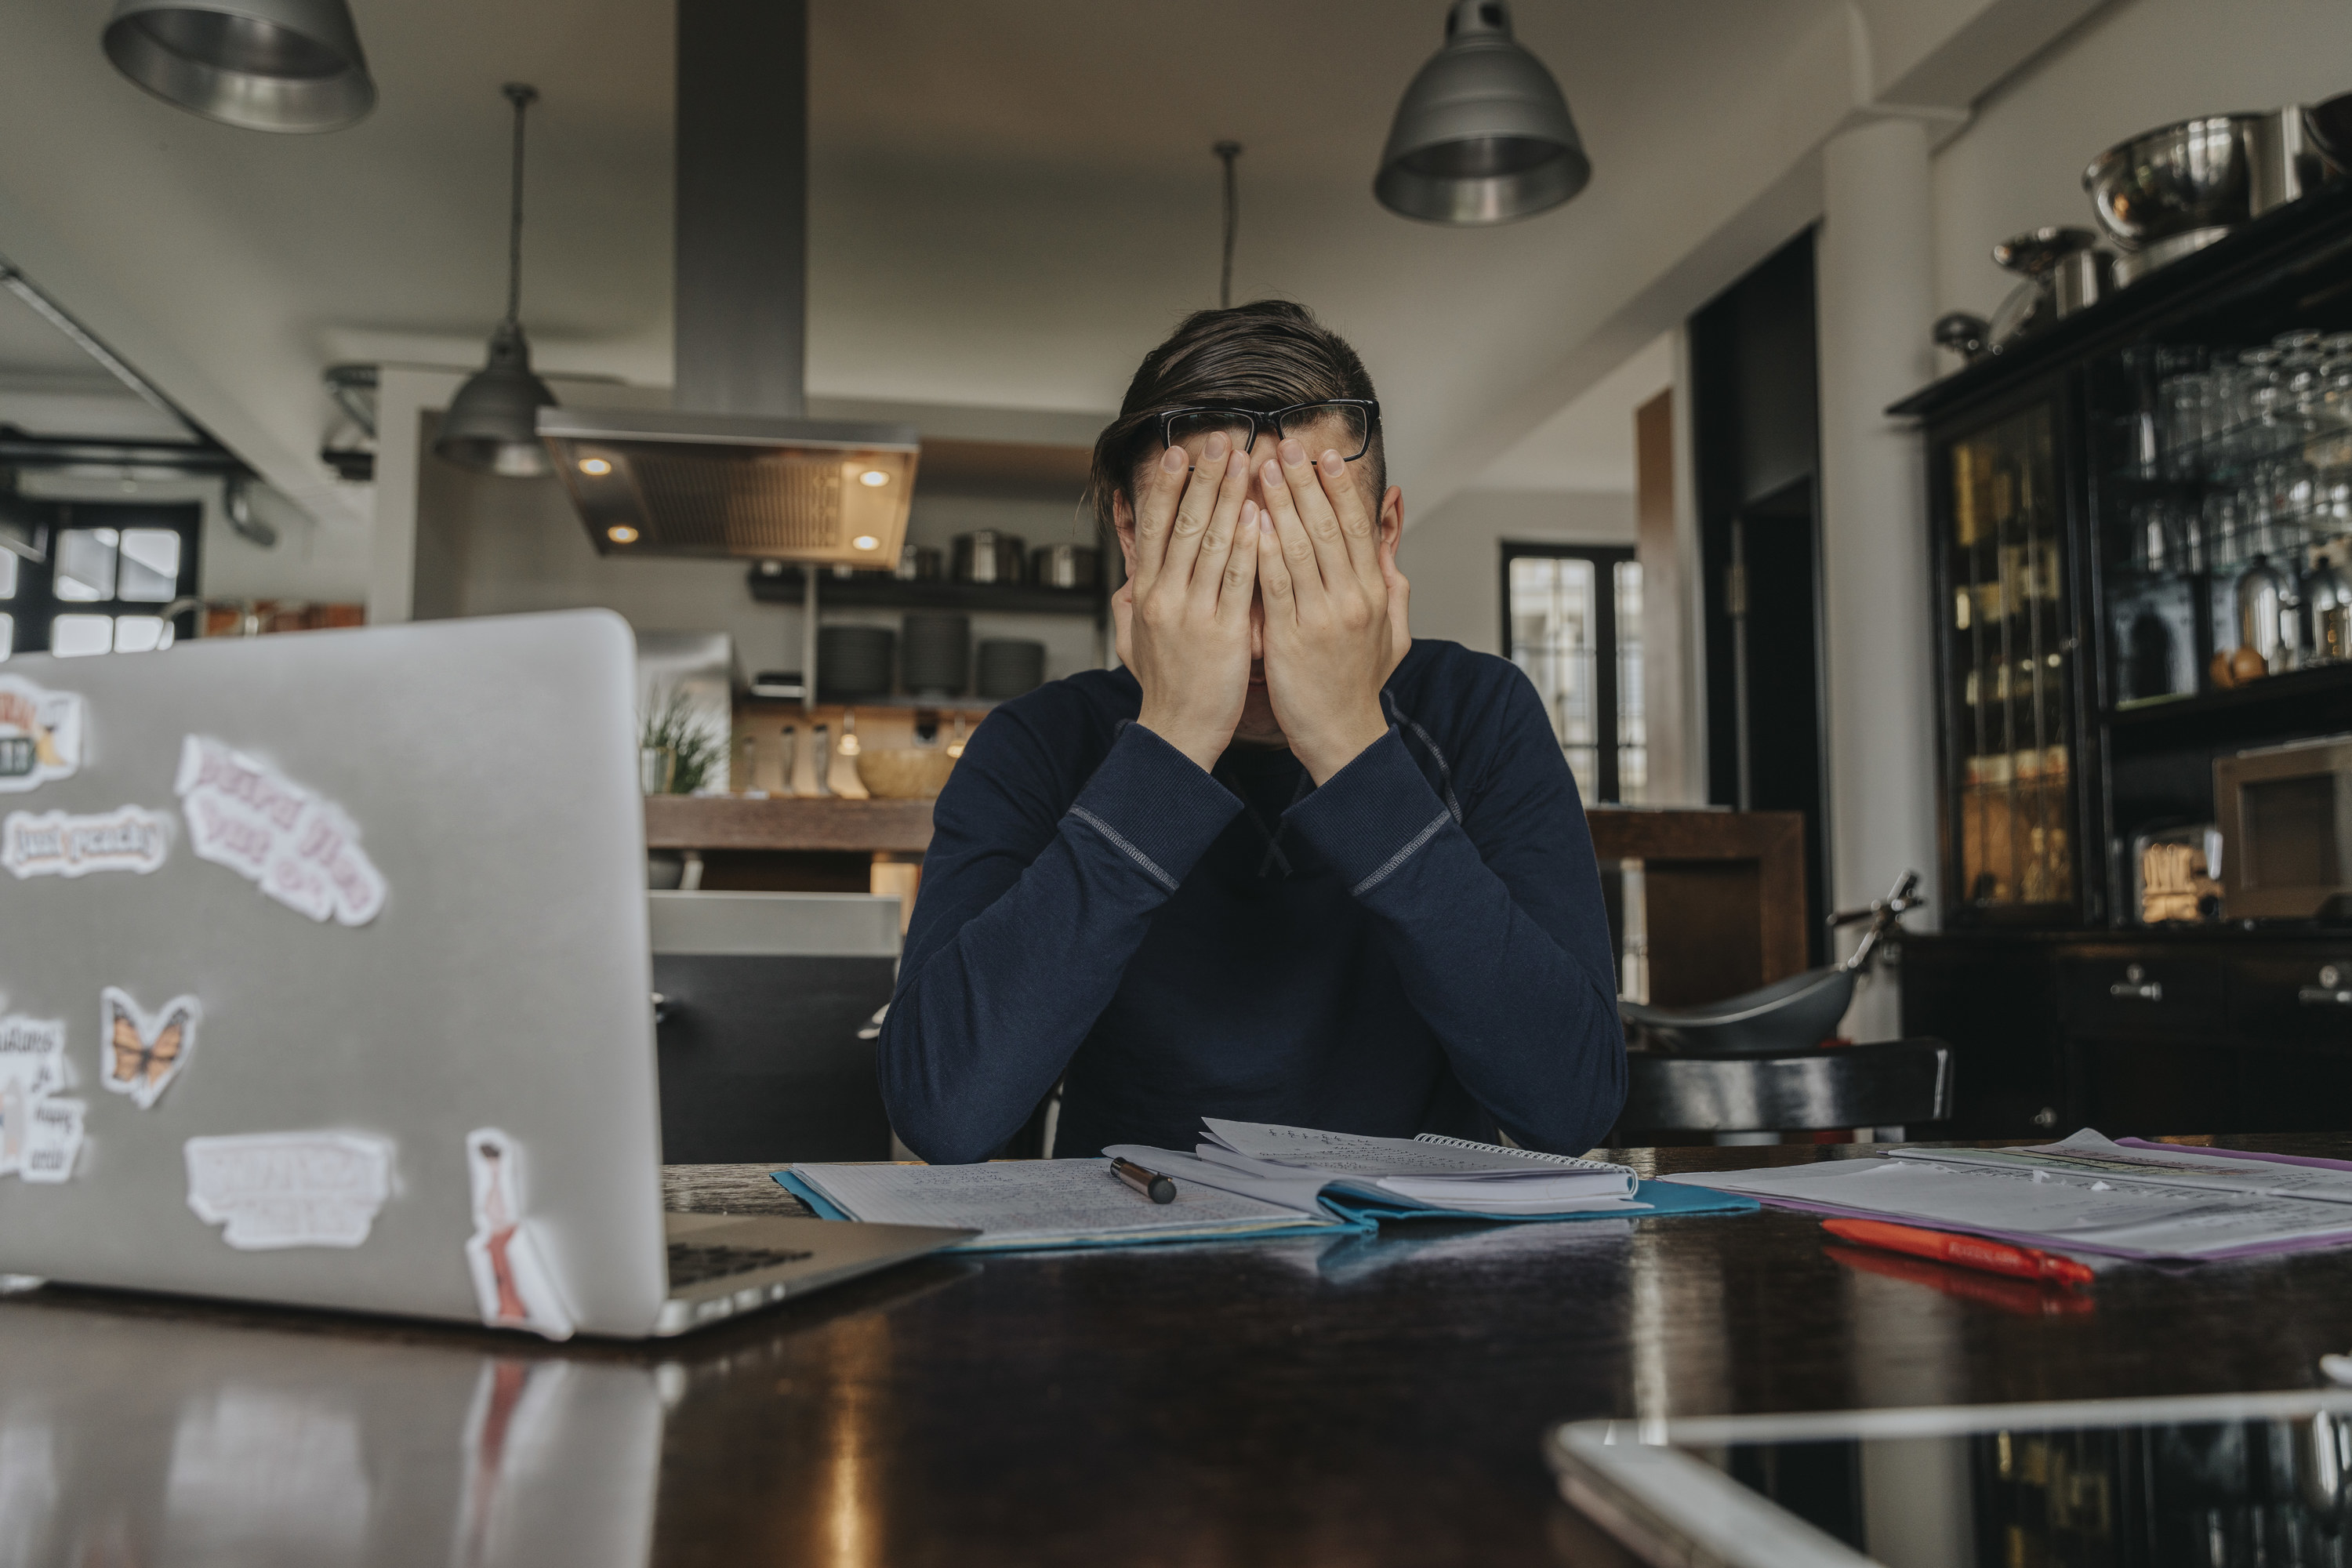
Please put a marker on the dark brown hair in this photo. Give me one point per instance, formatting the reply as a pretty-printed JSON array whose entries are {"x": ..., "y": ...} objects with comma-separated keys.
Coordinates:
[{"x": 1268, "y": 354}]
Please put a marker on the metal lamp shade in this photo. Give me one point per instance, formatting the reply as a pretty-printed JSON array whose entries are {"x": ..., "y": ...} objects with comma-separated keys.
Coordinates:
[
  {"x": 1483, "y": 135},
  {"x": 492, "y": 425},
  {"x": 265, "y": 65}
]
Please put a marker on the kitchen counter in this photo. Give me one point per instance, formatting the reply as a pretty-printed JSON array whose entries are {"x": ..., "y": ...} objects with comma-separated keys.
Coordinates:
[{"x": 1334, "y": 1400}]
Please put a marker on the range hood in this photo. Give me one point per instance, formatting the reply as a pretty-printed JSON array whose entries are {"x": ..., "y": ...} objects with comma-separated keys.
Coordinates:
[{"x": 743, "y": 472}]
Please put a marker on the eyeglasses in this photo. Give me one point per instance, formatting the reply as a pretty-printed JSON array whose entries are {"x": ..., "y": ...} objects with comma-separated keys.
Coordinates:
[{"x": 1358, "y": 418}]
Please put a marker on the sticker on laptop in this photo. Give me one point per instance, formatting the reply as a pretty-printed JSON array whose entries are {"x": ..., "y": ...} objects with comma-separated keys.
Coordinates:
[
  {"x": 271, "y": 1190},
  {"x": 57, "y": 844},
  {"x": 39, "y": 1134},
  {"x": 300, "y": 848},
  {"x": 144, "y": 1051},
  {"x": 40, "y": 734},
  {"x": 512, "y": 1283}
]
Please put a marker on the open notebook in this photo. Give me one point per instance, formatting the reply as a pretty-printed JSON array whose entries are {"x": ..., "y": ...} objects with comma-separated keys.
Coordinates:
[{"x": 1251, "y": 1179}]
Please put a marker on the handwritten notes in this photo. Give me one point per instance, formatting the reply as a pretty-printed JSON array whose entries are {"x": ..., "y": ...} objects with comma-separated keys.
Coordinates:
[
  {"x": 40, "y": 734},
  {"x": 39, "y": 1134},
  {"x": 271, "y": 1190},
  {"x": 57, "y": 844},
  {"x": 300, "y": 848}
]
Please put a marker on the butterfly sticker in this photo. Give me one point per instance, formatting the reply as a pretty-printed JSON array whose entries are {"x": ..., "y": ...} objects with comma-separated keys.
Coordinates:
[{"x": 144, "y": 1051}]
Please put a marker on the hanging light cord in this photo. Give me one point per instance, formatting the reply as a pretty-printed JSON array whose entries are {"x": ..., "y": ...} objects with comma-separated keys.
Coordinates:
[
  {"x": 522, "y": 96},
  {"x": 1229, "y": 151}
]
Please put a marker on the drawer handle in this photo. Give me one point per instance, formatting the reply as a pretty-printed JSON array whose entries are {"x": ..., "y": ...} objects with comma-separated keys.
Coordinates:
[
  {"x": 2149, "y": 991},
  {"x": 2324, "y": 997}
]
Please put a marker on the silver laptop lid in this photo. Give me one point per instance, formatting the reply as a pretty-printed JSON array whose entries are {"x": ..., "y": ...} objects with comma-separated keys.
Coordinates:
[{"x": 313, "y": 912}]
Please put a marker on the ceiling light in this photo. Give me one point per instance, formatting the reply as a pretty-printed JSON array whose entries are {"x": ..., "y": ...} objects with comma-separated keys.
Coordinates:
[
  {"x": 866, "y": 542},
  {"x": 621, "y": 534},
  {"x": 492, "y": 424},
  {"x": 265, "y": 65},
  {"x": 1483, "y": 134},
  {"x": 597, "y": 466},
  {"x": 874, "y": 479}
]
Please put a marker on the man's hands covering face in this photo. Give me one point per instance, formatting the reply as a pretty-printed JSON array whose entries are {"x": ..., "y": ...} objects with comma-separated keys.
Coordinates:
[
  {"x": 1335, "y": 609},
  {"x": 1184, "y": 617}
]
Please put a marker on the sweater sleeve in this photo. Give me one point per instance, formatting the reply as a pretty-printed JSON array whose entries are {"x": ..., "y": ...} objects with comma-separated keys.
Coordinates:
[
  {"x": 1028, "y": 915},
  {"x": 1492, "y": 913}
]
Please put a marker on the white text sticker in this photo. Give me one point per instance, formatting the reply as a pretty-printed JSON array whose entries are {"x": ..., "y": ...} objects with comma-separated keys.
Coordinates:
[
  {"x": 302, "y": 850},
  {"x": 40, "y": 734},
  {"x": 38, "y": 1136},
  {"x": 289, "y": 1189},
  {"x": 55, "y": 844}
]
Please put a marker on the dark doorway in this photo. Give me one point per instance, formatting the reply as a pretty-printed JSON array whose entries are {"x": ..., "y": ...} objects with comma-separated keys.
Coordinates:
[{"x": 1757, "y": 454}]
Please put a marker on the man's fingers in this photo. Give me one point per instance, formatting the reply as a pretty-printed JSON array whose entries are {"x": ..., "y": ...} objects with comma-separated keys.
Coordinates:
[
  {"x": 1154, "y": 508},
  {"x": 1239, "y": 579},
  {"x": 1400, "y": 606},
  {"x": 1217, "y": 539},
  {"x": 1303, "y": 577},
  {"x": 1192, "y": 513},
  {"x": 1275, "y": 588},
  {"x": 1315, "y": 514},
  {"x": 1357, "y": 525}
]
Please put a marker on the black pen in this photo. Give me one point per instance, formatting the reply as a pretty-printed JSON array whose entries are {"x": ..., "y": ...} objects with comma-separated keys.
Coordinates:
[{"x": 1160, "y": 1189}]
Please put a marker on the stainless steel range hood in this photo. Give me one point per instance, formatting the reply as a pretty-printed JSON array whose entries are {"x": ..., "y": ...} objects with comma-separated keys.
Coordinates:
[{"x": 743, "y": 472}]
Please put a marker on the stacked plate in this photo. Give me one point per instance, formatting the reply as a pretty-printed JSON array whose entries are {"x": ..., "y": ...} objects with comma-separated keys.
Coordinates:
[
  {"x": 938, "y": 653},
  {"x": 852, "y": 661},
  {"x": 1011, "y": 666}
]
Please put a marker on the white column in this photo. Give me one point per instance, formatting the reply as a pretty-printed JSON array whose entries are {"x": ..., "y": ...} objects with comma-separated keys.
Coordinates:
[{"x": 1874, "y": 275}]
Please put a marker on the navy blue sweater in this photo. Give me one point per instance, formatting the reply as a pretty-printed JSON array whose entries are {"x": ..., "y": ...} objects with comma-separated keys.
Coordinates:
[{"x": 1419, "y": 945}]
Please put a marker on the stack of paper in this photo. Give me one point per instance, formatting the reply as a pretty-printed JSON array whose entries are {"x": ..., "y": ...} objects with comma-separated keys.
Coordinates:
[
  {"x": 2084, "y": 1194},
  {"x": 1297, "y": 1163}
]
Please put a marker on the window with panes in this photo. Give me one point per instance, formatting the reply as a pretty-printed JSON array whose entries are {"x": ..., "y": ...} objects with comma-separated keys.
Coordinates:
[
  {"x": 108, "y": 571},
  {"x": 1572, "y": 621}
]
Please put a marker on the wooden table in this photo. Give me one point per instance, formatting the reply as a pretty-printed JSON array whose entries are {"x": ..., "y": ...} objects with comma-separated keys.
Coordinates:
[{"x": 1324, "y": 1401}]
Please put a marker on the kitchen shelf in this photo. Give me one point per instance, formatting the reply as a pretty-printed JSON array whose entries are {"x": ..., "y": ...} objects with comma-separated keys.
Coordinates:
[
  {"x": 786, "y": 823},
  {"x": 879, "y": 591},
  {"x": 2318, "y": 698}
]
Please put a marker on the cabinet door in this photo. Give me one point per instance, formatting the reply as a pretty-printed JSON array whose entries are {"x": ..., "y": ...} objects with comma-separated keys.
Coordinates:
[
  {"x": 2009, "y": 656},
  {"x": 2294, "y": 1089},
  {"x": 1998, "y": 1012},
  {"x": 2150, "y": 1087}
]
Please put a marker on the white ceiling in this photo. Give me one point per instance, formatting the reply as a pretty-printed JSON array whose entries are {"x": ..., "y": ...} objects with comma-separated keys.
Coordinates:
[{"x": 1012, "y": 198}]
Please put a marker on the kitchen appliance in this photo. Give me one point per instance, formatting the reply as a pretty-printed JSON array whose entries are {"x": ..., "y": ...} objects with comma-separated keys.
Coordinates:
[
  {"x": 744, "y": 471},
  {"x": 987, "y": 556},
  {"x": 938, "y": 657},
  {"x": 918, "y": 564},
  {"x": 1065, "y": 565},
  {"x": 853, "y": 661},
  {"x": 1011, "y": 666},
  {"x": 2285, "y": 819}
]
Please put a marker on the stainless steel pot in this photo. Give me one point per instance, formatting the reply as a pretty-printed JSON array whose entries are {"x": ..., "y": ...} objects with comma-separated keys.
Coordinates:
[
  {"x": 1065, "y": 565},
  {"x": 986, "y": 555}
]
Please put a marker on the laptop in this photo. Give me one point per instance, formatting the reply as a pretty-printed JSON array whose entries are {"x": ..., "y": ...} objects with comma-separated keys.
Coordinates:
[{"x": 325, "y": 980}]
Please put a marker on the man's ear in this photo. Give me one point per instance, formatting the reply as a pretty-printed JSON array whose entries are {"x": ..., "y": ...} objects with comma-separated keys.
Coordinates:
[
  {"x": 1392, "y": 517},
  {"x": 1122, "y": 522}
]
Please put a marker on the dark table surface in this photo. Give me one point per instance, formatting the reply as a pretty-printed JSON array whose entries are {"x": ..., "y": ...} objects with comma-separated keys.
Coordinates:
[{"x": 1330, "y": 1400}]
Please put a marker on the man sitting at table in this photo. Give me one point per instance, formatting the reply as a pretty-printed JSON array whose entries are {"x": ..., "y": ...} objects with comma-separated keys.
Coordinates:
[{"x": 1287, "y": 864}]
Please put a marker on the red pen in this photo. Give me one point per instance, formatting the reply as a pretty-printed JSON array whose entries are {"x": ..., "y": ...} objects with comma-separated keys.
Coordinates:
[{"x": 1968, "y": 1251}]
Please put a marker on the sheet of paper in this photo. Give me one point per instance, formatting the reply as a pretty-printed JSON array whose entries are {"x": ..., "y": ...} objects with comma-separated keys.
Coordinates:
[
  {"x": 301, "y": 848},
  {"x": 1354, "y": 1155},
  {"x": 1025, "y": 1201},
  {"x": 268, "y": 1190},
  {"x": 59, "y": 844},
  {"x": 2090, "y": 1154},
  {"x": 1284, "y": 1186},
  {"x": 2144, "y": 1218},
  {"x": 40, "y": 734}
]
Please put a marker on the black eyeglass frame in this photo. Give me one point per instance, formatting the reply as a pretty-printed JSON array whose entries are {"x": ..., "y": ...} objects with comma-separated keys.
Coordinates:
[{"x": 1271, "y": 419}]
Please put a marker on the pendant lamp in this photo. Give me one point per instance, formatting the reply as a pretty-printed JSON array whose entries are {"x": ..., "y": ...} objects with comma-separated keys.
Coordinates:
[
  {"x": 492, "y": 425},
  {"x": 1483, "y": 135},
  {"x": 265, "y": 65}
]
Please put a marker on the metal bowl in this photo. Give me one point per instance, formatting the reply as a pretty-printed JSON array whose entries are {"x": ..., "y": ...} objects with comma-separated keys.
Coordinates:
[
  {"x": 2199, "y": 174},
  {"x": 2040, "y": 250}
]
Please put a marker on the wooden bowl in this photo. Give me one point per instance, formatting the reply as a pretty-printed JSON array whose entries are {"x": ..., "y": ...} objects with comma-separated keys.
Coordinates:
[{"x": 906, "y": 772}]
